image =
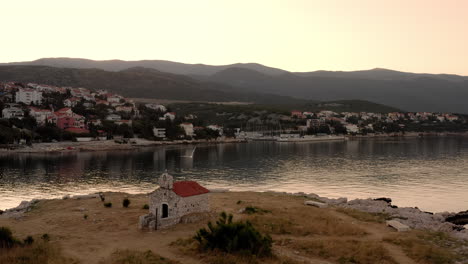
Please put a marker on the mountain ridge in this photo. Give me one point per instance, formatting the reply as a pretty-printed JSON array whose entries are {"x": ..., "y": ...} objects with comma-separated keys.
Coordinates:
[
  {"x": 137, "y": 82},
  {"x": 206, "y": 70},
  {"x": 406, "y": 91}
]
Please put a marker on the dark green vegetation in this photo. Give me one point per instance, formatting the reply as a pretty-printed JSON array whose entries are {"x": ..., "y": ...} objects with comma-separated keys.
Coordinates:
[
  {"x": 234, "y": 237},
  {"x": 228, "y": 115},
  {"x": 108, "y": 205},
  {"x": 126, "y": 202},
  {"x": 6, "y": 238},
  {"x": 13, "y": 251},
  {"x": 255, "y": 210},
  {"x": 417, "y": 93}
]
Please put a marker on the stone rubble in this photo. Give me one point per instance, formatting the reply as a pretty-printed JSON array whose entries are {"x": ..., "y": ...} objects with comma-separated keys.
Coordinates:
[
  {"x": 412, "y": 217},
  {"x": 23, "y": 207}
]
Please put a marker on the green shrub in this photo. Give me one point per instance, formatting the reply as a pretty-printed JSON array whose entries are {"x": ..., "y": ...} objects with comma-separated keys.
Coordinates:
[
  {"x": 234, "y": 237},
  {"x": 85, "y": 216},
  {"x": 45, "y": 237},
  {"x": 28, "y": 240},
  {"x": 126, "y": 202},
  {"x": 146, "y": 207},
  {"x": 108, "y": 205},
  {"x": 1, "y": 212},
  {"x": 6, "y": 238},
  {"x": 254, "y": 210}
]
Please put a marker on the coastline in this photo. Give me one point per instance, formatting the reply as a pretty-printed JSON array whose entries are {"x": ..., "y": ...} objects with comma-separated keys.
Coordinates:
[
  {"x": 107, "y": 145},
  {"x": 136, "y": 143}
]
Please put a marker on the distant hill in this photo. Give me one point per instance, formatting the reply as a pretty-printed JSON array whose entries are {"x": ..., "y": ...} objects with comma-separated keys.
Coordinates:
[
  {"x": 207, "y": 70},
  {"x": 382, "y": 74},
  {"x": 403, "y": 90},
  {"x": 411, "y": 94},
  {"x": 161, "y": 65},
  {"x": 138, "y": 82}
]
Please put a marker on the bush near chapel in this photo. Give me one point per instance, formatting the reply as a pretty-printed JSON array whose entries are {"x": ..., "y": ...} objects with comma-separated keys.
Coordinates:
[{"x": 234, "y": 237}]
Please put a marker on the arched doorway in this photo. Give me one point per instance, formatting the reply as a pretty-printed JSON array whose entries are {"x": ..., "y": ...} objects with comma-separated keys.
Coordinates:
[{"x": 165, "y": 211}]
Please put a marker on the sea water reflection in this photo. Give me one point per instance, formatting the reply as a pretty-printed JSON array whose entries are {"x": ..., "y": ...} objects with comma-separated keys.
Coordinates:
[{"x": 428, "y": 173}]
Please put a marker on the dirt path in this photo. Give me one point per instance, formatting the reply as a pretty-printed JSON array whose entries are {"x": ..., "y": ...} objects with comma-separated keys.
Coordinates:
[{"x": 377, "y": 232}]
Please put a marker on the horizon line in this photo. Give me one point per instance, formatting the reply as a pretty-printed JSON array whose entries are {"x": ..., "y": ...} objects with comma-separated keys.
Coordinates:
[{"x": 220, "y": 65}]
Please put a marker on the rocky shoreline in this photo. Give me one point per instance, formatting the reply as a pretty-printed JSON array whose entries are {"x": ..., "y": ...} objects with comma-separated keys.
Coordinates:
[
  {"x": 107, "y": 145},
  {"x": 451, "y": 223},
  {"x": 413, "y": 217}
]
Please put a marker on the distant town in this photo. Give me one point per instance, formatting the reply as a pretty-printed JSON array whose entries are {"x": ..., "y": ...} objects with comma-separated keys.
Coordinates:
[{"x": 34, "y": 113}]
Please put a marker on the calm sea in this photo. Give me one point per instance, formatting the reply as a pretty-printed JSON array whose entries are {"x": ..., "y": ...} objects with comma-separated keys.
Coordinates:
[{"x": 430, "y": 173}]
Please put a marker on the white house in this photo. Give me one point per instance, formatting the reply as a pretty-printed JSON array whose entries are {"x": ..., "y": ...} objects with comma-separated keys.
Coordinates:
[
  {"x": 175, "y": 202},
  {"x": 188, "y": 129},
  {"x": 352, "y": 129},
  {"x": 113, "y": 117},
  {"x": 71, "y": 102},
  {"x": 170, "y": 115},
  {"x": 216, "y": 128},
  {"x": 125, "y": 109},
  {"x": 28, "y": 96},
  {"x": 41, "y": 115},
  {"x": 13, "y": 112},
  {"x": 159, "y": 132},
  {"x": 114, "y": 98},
  {"x": 156, "y": 107}
]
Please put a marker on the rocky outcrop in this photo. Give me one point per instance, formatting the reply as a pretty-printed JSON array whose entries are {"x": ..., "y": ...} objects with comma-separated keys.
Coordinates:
[
  {"x": 460, "y": 218},
  {"x": 18, "y": 212},
  {"x": 412, "y": 217}
]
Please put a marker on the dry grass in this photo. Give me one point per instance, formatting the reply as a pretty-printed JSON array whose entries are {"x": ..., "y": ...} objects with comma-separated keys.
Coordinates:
[
  {"x": 364, "y": 216},
  {"x": 429, "y": 247},
  {"x": 304, "y": 222},
  {"x": 136, "y": 257},
  {"x": 38, "y": 253},
  {"x": 299, "y": 232},
  {"x": 345, "y": 251}
]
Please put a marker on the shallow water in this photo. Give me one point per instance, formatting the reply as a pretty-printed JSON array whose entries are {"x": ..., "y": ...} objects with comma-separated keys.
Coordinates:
[{"x": 430, "y": 173}]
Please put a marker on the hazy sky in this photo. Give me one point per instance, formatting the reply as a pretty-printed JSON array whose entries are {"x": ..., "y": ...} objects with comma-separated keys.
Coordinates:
[{"x": 296, "y": 35}]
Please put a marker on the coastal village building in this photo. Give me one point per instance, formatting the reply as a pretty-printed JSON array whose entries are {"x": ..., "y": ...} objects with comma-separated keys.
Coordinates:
[
  {"x": 113, "y": 117},
  {"x": 65, "y": 118},
  {"x": 71, "y": 102},
  {"x": 156, "y": 107},
  {"x": 40, "y": 115},
  {"x": 28, "y": 96},
  {"x": 188, "y": 129},
  {"x": 159, "y": 133},
  {"x": 216, "y": 128},
  {"x": 352, "y": 129},
  {"x": 13, "y": 112},
  {"x": 170, "y": 115},
  {"x": 173, "y": 201},
  {"x": 113, "y": 98}
]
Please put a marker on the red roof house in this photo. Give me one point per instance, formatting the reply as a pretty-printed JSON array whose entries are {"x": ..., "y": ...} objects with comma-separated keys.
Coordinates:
[{"x": 188, "y": 188}]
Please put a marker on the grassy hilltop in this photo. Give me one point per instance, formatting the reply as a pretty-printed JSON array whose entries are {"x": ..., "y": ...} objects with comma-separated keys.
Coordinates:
[{"x": 85, "y": 231}]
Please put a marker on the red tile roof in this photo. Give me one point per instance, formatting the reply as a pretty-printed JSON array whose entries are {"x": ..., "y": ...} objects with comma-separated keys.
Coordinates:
[{"x": 188, "y": 188}]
